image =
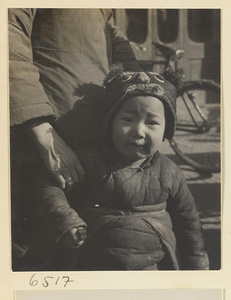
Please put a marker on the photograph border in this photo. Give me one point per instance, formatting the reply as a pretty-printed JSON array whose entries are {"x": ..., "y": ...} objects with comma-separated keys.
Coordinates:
[{"x": 13, "y": 281}]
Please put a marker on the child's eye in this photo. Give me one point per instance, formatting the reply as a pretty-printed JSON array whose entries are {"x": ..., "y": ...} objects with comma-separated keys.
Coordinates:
[
  {"x": 127, "y": 119},
  {"x": 152, "y": 122}
]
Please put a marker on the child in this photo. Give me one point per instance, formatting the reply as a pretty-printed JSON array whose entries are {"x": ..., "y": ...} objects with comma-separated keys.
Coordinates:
[{"x": 134, "y": 202}]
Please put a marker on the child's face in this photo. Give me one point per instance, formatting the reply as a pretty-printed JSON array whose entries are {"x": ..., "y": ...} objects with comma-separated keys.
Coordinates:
[{"x": 138, "y": 127}]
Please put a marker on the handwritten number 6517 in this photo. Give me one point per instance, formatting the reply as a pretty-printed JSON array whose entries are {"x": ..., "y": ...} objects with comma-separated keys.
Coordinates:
[{"x": 47, "y": 280}]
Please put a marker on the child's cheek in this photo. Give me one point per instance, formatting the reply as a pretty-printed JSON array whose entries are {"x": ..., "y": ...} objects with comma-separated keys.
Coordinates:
[{"x": 125, "y": 129}]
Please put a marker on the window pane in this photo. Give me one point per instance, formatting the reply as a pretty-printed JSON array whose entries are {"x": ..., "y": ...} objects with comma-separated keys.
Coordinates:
[
  {"x": 168, "y": 23},
  {"x": 137, "y": 29},
  {"x": 204, "y": 25}
]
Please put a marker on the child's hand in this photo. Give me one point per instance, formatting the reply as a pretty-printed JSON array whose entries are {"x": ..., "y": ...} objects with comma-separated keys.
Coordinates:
[{"x": 74, "y": 238}]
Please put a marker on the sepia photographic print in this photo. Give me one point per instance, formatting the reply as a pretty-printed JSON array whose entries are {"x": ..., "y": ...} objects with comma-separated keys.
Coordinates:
[{"x": 115, "y": 139}]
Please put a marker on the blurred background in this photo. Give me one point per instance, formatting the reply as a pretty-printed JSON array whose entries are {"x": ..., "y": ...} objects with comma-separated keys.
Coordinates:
[{"x": 197, "y": 32}]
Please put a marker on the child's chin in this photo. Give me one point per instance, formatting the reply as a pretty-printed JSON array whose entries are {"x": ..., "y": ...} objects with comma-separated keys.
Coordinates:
[{"x": 137, "y": 156}]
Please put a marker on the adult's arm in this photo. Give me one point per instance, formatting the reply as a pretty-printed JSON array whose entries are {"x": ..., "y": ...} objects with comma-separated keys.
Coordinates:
[
  {"x": 29, "y": 102},
  {"x": 121, "y": 48},
  {"x": 28, "y": 99}
]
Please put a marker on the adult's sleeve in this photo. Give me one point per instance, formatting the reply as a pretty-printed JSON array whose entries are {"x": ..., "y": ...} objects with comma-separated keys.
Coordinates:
[
  {"x": 121, "y": 48},
  {"x": 28, "y": 99},
  {"x": 187, "y": 226}
]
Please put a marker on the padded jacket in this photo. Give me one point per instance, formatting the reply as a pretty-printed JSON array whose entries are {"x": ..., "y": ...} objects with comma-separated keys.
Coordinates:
[{"x": 135, "y": 216}]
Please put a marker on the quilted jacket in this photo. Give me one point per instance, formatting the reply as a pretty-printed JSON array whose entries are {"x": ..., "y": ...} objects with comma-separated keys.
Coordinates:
[{"x": 136, "y": 217}]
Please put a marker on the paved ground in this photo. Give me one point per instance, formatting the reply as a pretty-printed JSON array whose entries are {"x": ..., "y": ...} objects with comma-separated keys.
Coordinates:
[{"x": 206, "y": 191}]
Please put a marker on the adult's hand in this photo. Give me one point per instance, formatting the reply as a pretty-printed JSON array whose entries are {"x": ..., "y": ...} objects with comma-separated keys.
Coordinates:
[{"x": 59, "y": 159}]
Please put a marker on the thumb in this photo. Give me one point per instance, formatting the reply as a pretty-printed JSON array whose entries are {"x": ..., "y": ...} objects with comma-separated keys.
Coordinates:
[{"x": 59, "y": 179}]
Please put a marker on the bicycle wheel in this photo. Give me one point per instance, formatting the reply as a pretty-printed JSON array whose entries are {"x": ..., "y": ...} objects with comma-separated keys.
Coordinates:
[{"x": 197, "y": 137}]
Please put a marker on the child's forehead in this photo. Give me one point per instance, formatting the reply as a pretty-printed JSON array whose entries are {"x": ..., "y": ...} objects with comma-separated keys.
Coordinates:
[{"x": 145, "y": 102}]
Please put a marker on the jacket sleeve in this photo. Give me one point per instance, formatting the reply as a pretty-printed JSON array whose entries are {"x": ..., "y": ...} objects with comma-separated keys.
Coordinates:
[
  {"x": 28, "y": 99},
  {"x": 121, "y": 48},
  {"x": 187, "y": 227},
  {"x": 55, "y": 214}
]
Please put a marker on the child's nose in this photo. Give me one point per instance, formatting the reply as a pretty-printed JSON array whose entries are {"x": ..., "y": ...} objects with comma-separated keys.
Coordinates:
[{"x": 138, "y": 131}]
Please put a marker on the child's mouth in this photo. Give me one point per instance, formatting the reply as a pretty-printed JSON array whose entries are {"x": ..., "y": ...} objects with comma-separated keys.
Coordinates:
[{"x": 138, "y": 145}]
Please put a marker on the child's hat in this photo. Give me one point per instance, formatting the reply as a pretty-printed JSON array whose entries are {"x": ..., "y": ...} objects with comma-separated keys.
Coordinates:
[{"x": 121, "y": 85}]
